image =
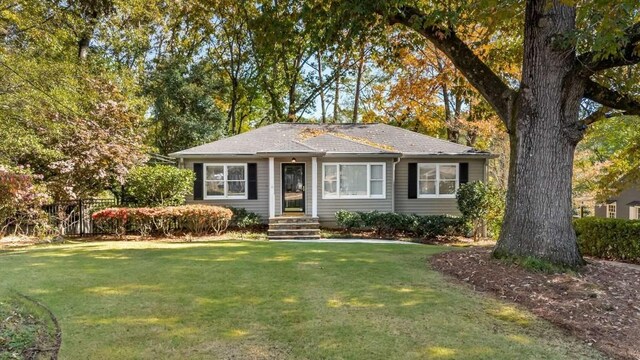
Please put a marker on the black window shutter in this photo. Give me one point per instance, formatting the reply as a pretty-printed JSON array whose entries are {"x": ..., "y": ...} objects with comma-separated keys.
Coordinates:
[
  {"x": 464, "y": 173},
  {"x": 413, "y": 180},
  {"x": 252, "y": 176},
  {"x": 198, "y": 183}
]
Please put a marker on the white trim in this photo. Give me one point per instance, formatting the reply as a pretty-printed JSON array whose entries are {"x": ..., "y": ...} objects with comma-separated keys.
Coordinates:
[
  {"x": 272, "y": 189},
  {"x": 437, "y": 194},
  {"x": 280, "y": 173},
  {"x": 613, "y": 206},
  {"x": 368, "y": 196},
  {"x": 393, "y": 183},
  {"x": 225, "y": 180},
  {"x": 314, "y": 186}
]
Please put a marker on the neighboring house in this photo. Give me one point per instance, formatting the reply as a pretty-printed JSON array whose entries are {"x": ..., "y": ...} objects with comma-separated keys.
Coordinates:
[
  {"x": 318, "y": 169},
  {"x": 625, "y": 205}
]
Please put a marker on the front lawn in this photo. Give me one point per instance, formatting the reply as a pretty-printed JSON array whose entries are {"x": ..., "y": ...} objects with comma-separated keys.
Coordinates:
[{"x": 258, "y": 300}]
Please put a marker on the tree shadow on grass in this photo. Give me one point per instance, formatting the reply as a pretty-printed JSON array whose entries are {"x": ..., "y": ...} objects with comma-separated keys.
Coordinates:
[{"x": 169, "y": 300}]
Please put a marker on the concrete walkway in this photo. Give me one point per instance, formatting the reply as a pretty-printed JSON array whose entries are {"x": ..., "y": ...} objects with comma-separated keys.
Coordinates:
[{"x": 349, "y": 241}]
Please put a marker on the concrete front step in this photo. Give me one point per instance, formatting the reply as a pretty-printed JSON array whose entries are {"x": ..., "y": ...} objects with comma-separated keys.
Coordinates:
[
  {"x": 294, "y": 226},
  {"x": 294, "y": 237},
  {"x": 293, "y": 232},
  {"x": 292, "y": 220}
]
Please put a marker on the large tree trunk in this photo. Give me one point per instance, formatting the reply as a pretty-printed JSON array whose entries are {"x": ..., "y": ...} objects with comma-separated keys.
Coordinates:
[{"x": 543, "y": 136}]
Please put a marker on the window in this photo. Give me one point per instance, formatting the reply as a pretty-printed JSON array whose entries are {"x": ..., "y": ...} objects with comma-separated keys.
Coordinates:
[
  {"x": 634, "y": 213},
  {"x": 438, "y": 180},
  {"x": 611, "y": 210},
  {"x": 353, "y": 180},
  {"x": 225, "y": 181}
]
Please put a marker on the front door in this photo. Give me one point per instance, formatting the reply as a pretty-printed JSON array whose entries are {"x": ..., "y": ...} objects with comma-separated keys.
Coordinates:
[{"x": 292, "y": 187}]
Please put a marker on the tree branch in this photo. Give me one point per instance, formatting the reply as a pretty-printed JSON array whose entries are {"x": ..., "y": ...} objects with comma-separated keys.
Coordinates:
[
  {"x": 611, "y": 98},
  {"x": 595, "y": 116},
  {"x": 497, "y": 93},
  {"x": 628, "y": 54}
]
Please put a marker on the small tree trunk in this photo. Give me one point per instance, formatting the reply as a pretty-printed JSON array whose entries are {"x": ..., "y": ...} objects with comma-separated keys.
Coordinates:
[
  {"x": 231, "y": 117},
  {"x": 452, "y": 134},
  {"x": 356, "y": 102},
  {"x": 83, "y": 48},
  {"x": 336, "y": 100},
  {"x": 323, "y": 107}
]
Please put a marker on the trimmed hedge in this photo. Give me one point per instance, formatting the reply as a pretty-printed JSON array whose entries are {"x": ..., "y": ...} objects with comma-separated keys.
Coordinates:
[
  {"x": 614, "y": 239},
  {"x": 198, "y": 219},
  {"x": 428, "y": 226}
]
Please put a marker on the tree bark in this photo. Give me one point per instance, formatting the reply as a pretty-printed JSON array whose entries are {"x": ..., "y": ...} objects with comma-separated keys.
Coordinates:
[
  {"x": 336, "y": 99},
  {"x": 356, "y": 102},
  {"x": 543, "y": 137},
  {"x": 323, "y": 107}
]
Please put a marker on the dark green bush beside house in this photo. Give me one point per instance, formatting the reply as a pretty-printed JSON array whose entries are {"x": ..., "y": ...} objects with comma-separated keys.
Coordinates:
[
  {"x": 613, "y": 239},
  {"x": 244, "y": 219},
  {"x": 428, "y": 226}
]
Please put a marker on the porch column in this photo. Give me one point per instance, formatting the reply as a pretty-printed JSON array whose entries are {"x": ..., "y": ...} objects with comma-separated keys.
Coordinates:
[
  {"x": 272, "y": 189},
  {"x": 314, "y": 187}
]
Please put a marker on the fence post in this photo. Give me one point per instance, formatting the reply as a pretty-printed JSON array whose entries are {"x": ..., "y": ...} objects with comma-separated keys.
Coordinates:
[{"x": 81, "y": 217}]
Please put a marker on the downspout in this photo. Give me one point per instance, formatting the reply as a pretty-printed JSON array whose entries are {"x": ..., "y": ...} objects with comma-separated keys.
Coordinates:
[
  {"x": 393, "y": 184},
  {"x": 484, "y": 231}
]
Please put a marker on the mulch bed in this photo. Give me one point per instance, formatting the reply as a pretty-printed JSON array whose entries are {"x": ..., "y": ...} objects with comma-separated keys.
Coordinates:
[{"x": 600, "y": 304}]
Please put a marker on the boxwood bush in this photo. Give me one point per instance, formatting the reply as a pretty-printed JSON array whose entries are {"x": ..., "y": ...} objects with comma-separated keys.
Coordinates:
[
  {"x": 244, "y": 219},
  {"x": 427, "y": 226},
  {"x": 614, "y": 239}
]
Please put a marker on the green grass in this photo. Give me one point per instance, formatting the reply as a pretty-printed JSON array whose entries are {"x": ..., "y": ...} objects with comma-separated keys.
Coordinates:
[
  {"x": 252, "y": 300},
  {"x": 26, "y": 330}
]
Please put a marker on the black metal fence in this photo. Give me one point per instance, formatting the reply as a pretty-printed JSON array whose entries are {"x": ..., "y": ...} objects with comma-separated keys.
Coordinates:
[{"x": 73, "y": 218}]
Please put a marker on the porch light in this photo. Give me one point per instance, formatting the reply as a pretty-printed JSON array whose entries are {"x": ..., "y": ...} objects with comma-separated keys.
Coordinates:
[{"x": 293, "y": 160}]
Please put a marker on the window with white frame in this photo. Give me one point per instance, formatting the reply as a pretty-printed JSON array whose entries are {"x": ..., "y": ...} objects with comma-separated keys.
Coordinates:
[
  {"x": 353, "y": 180},
  {"x": 611, "y": 210},
  {"x": 634, "y": 213},
  {"x": 437, "y": 180},
  {"x": 225, "y": 181}
]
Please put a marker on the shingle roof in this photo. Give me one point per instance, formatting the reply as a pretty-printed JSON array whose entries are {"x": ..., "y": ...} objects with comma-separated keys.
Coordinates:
[{"x": 331, "y": 138}]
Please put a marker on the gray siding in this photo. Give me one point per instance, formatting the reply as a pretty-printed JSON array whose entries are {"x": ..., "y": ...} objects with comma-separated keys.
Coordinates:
[
  {"x": 259, "y": 206},
  {"x": 622, "y": 209},
  {"x": 422, "y": 206},
  {"x": 601, "y": 210},
  {"x": 328, "y": 207}
]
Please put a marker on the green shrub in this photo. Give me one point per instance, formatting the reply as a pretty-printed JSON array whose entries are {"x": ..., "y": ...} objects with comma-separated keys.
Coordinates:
[
  {"x": 158, "y": 185},
  {"x": 243, "y": 219},
  {"x": 614, "y": 239},
  {"x": 198, "y": 219},
  {"x": 428, "y": 226},
  {"x": 349, "y": 219},
  {"x": 481, "y": 203}
]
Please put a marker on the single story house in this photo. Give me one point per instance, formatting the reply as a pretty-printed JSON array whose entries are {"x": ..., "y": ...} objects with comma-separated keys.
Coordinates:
[
  {"x": 625, "y": 205},
  {"x": 313, "y": 170}
]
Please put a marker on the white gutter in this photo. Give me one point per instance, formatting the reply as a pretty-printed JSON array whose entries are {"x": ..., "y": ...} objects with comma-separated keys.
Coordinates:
[{"x": 393, "y": 184}]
